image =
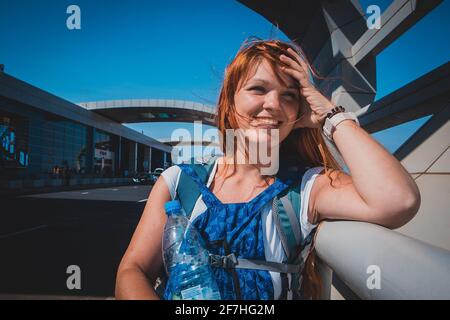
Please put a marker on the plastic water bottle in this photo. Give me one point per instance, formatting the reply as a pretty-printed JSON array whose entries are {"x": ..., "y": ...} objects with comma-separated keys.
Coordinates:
[
  {"x": 173, "y": 234},
  {"x": 190, "y": 275}
]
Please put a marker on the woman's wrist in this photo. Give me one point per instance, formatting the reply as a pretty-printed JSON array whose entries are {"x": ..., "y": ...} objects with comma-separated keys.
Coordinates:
[
  {"x": 329, "y": 110},
  {"x": 345, "y": 123}
]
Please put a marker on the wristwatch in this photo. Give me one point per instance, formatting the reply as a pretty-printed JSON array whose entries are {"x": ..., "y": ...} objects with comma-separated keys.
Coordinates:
[
  {"x": 334, "y": 118},
  {"x": 335, "y": 110}
]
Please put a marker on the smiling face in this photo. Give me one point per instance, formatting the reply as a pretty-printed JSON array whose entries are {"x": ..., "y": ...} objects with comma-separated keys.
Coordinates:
[{"x": 264, "y": 102}]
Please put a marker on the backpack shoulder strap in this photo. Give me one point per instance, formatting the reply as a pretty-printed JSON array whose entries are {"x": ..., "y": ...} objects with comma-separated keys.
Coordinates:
[
  {"x": 286, "y": 212},
  {"x": 187, "y": 190}
]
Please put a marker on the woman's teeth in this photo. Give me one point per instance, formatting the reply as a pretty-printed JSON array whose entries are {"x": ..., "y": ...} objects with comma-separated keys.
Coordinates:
[{"x": 267, "y": 122}]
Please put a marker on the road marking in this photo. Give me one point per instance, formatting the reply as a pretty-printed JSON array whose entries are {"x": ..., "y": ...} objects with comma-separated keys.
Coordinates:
[
  {"x": 84, "y": 192},
  {"x": 3, "y": 236},
  {"x": 114, "y": 189},
  {"x": 143, "y": 200}
]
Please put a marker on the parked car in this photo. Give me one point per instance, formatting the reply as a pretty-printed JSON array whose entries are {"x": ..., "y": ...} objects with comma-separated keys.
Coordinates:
[
  {"x": 143, "y": 178},
  {"x": 156, "y": 174},
  {"x": 147, "y": 177}
]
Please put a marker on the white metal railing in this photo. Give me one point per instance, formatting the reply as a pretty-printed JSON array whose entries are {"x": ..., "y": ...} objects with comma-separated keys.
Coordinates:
[{"x": 379, "y": 263}]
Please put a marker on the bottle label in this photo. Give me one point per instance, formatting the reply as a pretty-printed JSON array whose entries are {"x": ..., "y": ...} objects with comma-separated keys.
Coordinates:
[{"x": 193, "y": 293}]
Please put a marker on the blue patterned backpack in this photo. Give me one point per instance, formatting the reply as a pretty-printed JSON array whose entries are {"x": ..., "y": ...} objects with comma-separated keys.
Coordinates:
[{"x": 230, "y": 260}]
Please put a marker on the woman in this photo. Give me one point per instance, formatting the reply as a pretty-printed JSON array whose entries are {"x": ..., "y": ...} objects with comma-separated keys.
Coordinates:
[{"x": 267, "y": 90}]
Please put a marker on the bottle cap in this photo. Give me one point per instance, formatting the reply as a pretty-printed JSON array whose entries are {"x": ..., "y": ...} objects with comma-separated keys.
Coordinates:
[{"x": 173, "y": 205}]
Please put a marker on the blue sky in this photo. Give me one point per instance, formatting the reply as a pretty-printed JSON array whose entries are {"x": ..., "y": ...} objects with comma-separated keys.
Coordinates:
[{"x": 174, "y": 50}]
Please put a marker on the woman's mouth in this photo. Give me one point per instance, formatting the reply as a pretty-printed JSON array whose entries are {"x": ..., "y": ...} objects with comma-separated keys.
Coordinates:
[{"x": 267, "y": 124}]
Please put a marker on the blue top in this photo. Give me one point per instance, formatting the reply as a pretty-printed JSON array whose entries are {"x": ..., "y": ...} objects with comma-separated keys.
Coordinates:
[{"x": 235, "y": 228}]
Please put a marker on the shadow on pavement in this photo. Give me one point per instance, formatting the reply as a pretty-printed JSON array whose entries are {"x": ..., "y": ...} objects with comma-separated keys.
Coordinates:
[{"x": 40, "y": 238}]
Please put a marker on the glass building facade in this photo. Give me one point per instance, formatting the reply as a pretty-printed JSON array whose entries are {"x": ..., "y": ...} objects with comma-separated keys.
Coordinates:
[
  {"x": 14, "y": 144},
  {"x": 62, "y": 147},
  {"x": 105, "y": 150},
  {"x": 38, "y": 145}
]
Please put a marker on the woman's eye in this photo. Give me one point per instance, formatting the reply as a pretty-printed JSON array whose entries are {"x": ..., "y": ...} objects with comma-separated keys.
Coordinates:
[
  {"x": 291, "y": 95},
  {"x": 258, "y": 89}
]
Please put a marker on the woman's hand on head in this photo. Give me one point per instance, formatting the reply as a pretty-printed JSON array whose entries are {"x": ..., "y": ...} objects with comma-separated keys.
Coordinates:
[{"x": 317, "y": 106}]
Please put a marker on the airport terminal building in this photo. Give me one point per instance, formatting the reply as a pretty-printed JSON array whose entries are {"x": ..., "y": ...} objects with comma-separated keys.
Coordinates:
[{"x": 45, "y": 139}]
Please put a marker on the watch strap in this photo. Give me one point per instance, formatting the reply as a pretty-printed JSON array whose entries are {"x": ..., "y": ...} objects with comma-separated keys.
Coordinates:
[{"x": 331, "y": 122}]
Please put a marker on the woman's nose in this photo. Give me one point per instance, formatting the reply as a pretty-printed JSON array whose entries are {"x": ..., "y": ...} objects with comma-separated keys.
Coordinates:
[{"x": 272, "y": 100}]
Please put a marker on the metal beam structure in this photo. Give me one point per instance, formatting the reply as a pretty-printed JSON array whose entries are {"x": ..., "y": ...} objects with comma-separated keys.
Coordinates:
[
  {"x": 424, "y": 96},
  {"x": 336, "y": 40},
  {"x": 396, "y": 20}
]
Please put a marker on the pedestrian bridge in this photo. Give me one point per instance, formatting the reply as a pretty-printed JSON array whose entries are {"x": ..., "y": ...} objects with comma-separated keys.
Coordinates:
[{"x": 152, "y": 110}]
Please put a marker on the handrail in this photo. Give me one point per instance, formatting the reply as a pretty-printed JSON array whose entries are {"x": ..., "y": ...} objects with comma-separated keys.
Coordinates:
[{"x": 408, "y": 268}]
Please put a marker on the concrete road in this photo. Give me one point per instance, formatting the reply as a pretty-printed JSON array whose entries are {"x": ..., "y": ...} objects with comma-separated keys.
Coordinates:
[{"x": 42, "y": 235}]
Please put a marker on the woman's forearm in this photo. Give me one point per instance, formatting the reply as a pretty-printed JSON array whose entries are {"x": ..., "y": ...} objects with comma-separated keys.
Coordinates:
[
  {"x": 378, "y": 176},
  {"x": 132, "y": 284}
]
